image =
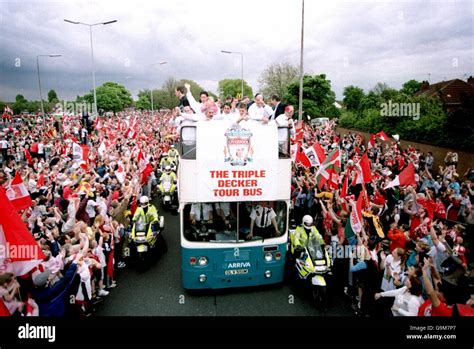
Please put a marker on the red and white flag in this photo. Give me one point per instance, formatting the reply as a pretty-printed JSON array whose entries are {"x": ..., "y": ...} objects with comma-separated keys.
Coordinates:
[
  {"x": 363, "y": 170},
  {"x": 120, "y": 173},
  {"x": 80, "y": 154},
  {"x": 21, "y": 252},
  {"x": 18, "y": 194},
  {"x": 354, "y": 223},
  {"x": 332, "y": 164},
  {"x": 145, "y": 168},
  {"x": 301, "y": 157},
  {"x": 315, "y": 154},
  {"x": 383, "y": 136},
  {"x": 406, "y": 177},
  {"x": 102, "y": 148}
]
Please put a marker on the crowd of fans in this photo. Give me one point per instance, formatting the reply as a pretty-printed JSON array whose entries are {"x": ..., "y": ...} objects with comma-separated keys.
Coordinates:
[
  {"x": 412, "y": 256},
  {"x": 80, "y": 210},
  {"x": 413, "y": 253}
]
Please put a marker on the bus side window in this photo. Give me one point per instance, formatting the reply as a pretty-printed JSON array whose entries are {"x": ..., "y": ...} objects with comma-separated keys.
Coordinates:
[
  {"x": 188, "y": 142},
  {"x": 284, "y": 142}
]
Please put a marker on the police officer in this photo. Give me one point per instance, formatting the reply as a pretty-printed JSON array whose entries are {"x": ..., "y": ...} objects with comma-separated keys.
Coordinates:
[
  {"x": 302, "y": 234},
  {"x": 147, "y": 210}
]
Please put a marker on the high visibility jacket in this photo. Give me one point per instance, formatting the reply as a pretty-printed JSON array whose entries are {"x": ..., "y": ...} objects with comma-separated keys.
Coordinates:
[
  {"x": 167, "y": 161},
  {"x": 170, "y": 175},
  {"x": 150, "y": 216},
  {"x": 300, "y": 237},
  {"x": 173, "y": 153}
]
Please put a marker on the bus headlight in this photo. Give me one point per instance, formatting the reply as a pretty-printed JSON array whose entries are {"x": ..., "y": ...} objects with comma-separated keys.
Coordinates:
[
  {"x": 268, "y": 274},
  {"x": 202, "y": 261},
  {"x": 202, "y": 278},
  {"x": 268, "y": 257}
]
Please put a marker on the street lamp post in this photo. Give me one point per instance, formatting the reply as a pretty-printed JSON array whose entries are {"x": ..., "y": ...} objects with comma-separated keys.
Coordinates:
[
  {"x": 151, "y": 90},
  {"x": 92, "y": 53},
  {"x": 39, "y": 78},
  {"x": 242, "y": 66},
  {"x": 300, "y": 102}
]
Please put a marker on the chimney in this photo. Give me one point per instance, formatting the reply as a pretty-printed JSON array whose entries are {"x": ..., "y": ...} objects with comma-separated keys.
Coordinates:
[
  {"x": 470, "y": 80},
  {"x": 425, "y": 85}
]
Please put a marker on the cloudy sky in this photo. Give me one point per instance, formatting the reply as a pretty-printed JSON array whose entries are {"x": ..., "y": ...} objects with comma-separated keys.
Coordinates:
[{"x": 352, "y": 42}]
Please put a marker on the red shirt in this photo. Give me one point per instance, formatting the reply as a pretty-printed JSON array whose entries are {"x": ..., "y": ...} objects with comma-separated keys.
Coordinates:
[
  {"x": 34, "y": 148},
  {"x": 397, "y": 239},
  {"x": 427, "y": 309}
]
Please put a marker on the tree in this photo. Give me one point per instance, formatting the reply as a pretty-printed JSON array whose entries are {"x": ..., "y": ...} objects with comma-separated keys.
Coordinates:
[
  {"x": 411, "y": 87},
  {"x": 52, "y": 97},
  {"x": 20, "y": 105},
  {"x": 318, "y": 98},
  {"x": 233, "y": 87},
  {"x": 144, "y": 100},
  {"x": 2, "y": 106},
  {"x": 276, "y": 78},
  {"x": 353, "y": 96},
  {"x": 111, "y": 97},
  {"x": 162, "y": 99}
]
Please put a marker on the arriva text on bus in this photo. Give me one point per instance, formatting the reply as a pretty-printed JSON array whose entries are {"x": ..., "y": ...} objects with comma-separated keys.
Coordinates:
[{"x": 238, "y": 182}]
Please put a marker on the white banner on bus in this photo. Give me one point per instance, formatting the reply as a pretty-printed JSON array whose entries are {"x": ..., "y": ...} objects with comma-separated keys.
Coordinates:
[{"x": 237, "y": 162}]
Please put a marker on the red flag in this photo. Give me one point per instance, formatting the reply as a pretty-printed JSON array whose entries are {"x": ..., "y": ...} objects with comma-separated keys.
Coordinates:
[
  {"x": 315, "y": 154},
  {"x": 147, "y": 171},
  {"x": 302, "y": 158},
  {"x": 344, "y": 187},
  {"x": 383, "y": 136},
  {"x": 333, "y": 182},
  {"x": 133, "y": 206},
  {"x": 406, "y": 177},
  {"x": 299, "y": 135},
  {"x": 145, "y": 167},
  {"x": 364, "y": 166},
  {"x": 28, "y": 157},
  {"x": 18, "y": 194},
  {"x": 23, "y": 253}
]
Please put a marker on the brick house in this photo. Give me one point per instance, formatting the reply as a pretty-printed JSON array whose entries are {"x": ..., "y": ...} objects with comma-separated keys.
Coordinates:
[{"x": 452, "y": 92}]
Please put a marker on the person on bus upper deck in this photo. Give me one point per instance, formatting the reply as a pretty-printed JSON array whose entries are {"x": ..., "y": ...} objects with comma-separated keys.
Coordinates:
[
  {"x": 203, "y": 96},
  {"x": 229, "y": 112},
  {"x": 277, "y": 106},
  {"x": 263, "y": 221},
  {"x": 180, "y": 92},
  {"x": 244, "y": 118},
  {"x": 286, "y": 119},
  {"x": 259, "y": 111}
]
